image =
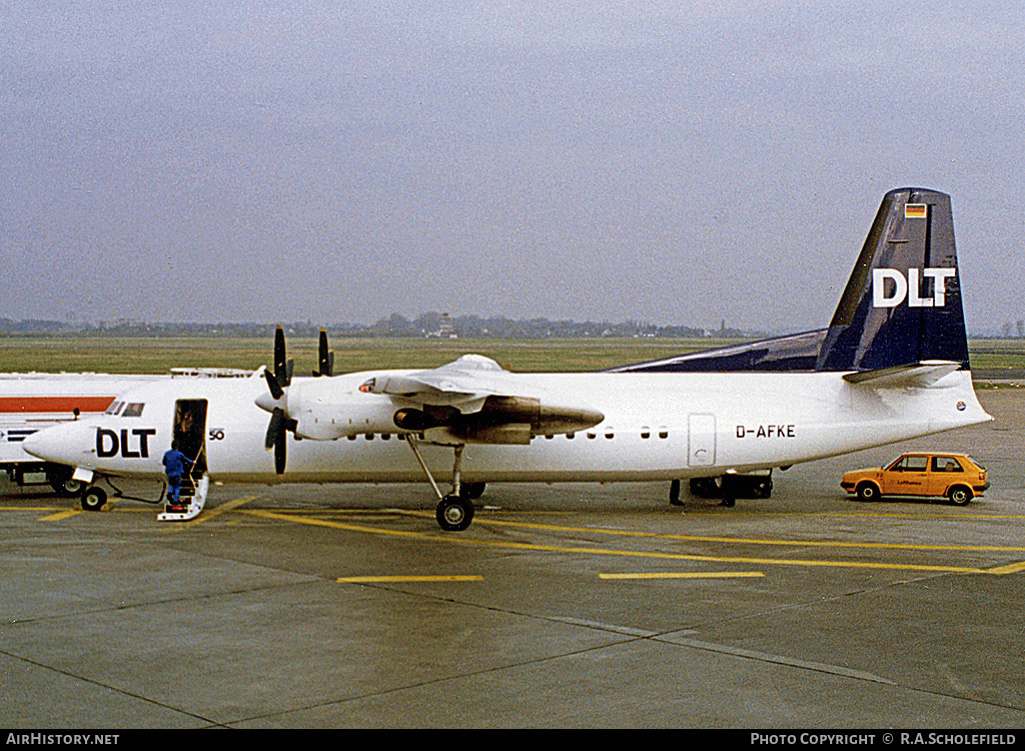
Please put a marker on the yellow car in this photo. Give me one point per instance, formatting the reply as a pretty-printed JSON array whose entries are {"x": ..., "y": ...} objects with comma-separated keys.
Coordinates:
[{"x": 957, "y": 477}]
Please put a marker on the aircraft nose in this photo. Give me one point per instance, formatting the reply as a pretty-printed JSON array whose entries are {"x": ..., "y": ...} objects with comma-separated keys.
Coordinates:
[
  {"x": 36, "y": 444},
  {"x": 63, "y": 444}
]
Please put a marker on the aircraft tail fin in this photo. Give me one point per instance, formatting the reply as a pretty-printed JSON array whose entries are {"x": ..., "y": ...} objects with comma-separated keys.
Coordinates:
[{"x": 902, "y": 304}]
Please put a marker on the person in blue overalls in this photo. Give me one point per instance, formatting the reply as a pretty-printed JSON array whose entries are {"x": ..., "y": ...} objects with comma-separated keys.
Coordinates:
[{"x": 174, "y": 464}]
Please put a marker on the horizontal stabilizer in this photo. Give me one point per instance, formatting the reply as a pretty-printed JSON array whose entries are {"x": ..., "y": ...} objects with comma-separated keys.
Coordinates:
[{"x": 913, "y": 375}]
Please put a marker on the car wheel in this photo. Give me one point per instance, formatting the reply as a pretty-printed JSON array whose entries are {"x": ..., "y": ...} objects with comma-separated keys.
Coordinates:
[
  {"x": 868, "y": 491},
  {"x": 959, "y": 495}
]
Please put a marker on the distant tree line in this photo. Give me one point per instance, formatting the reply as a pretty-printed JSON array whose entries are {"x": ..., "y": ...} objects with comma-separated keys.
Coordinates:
[
  {"x": 441, "y": 325},
  {"x": 1016, "y": 331},
  {"x": 431, "y": 324}
]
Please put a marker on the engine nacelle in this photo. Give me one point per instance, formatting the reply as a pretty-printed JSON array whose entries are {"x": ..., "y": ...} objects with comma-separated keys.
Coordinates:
[
  {"x": 327, "y": 414},
  {"x": 501, "y": 419}
]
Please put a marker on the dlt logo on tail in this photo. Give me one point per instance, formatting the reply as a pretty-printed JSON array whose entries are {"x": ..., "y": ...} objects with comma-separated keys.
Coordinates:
[{"x": 910, "y": 287}]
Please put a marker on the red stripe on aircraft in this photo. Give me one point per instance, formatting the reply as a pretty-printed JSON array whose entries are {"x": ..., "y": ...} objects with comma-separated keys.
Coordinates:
[{"x": 50, "y": 404}]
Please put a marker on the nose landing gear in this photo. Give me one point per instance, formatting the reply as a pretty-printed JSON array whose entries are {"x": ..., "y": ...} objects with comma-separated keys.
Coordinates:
[{"x": 93, "y": 498}]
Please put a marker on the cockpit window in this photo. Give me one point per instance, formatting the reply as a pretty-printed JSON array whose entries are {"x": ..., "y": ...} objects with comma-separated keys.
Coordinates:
[
  {"x": 114, "y": 408},
  {"x": 133, "y": 410}
]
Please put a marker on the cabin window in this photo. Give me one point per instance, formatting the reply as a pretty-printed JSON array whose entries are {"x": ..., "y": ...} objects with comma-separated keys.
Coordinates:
[
  {"x": 645, "y": 433},
  {"x": 663, "y": 433}
]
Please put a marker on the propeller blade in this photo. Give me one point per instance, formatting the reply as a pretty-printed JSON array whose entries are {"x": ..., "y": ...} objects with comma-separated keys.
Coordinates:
[
  {"x": 272, "y": 383},
  {"x": 280, "y": 447},
  {"x": 280, "y": 423},
  {"x": 275, "y": 428},
  {"x": 277, "y": 437},
  {"x": 325, "y": 358},
  {"x": 282, "y": 365}
]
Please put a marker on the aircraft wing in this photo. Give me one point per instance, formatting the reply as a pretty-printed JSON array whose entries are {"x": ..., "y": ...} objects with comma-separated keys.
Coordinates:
[
  {"x": 464, "y": 383},
  {"x": 474, "y": 400}
]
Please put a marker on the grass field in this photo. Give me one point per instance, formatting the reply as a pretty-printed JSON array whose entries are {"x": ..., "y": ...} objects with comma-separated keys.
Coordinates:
[{"x": 993, "y": 357}]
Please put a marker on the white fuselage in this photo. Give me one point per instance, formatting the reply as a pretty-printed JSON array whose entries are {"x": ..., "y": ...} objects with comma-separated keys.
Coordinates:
[
  {"x": 30, "y": 402},
  {"x": 657, "y": 426}
]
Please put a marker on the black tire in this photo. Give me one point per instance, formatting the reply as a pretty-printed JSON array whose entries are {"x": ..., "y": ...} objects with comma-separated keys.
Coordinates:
[
  {"x": 960, "y": 495},
  {"x": 60, "y": 480},
  {"x": 69, "y": 488},
  {"x": 93, "y": 499},
  {"x": 868, "y": 491},
  {"x": 454, "y": 514},
  {"x": 472, "y": 490},
  {"x": 704, "y": 487}
]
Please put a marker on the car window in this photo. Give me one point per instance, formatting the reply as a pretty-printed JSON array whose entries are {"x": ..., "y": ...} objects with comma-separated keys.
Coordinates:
[
  {"x": 911, "y": 464},
  {"x": 946, "y": 464}
]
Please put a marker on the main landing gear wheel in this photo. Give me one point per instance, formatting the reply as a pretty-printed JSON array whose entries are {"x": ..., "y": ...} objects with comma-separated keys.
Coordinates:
[
  {"x": 454, "y": 514},
  {"x": 93, "y": 498},
  {"x": 455, "y": 510}
]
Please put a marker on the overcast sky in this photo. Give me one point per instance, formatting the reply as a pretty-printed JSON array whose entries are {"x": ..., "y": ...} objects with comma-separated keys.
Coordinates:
[{"x": 673, "y": 162}]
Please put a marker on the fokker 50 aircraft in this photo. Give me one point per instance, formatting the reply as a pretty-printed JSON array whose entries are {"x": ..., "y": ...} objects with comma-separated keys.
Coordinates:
[{"x": 892, "y": 365}]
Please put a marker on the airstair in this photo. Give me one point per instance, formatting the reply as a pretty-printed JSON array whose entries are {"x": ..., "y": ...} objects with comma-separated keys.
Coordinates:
[{"x": 191, "y": 501}]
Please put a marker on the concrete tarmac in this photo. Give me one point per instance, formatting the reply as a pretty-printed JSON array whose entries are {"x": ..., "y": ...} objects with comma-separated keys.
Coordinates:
[{"x": 575, "y": 606}]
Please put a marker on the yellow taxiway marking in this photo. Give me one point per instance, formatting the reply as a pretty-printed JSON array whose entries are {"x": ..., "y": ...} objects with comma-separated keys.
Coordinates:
[
  {"x": 29, "y": 508},
  {"x": 224, "y": 508},
  {"x": 60, "y": 515},
  {"x": 698, "y": 575},
  {"x": 913, "y": 515},
  {"x": 212, "y": 513},
  {"x": 460, "y": 539},
  {"x": 755, "y": 541},
  {"x": 386, "y": 579},
  {"x": 1010, "y": 568}
]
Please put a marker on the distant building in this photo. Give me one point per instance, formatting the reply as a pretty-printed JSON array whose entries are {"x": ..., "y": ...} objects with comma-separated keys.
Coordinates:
[{"x": 446, "y": 329}]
